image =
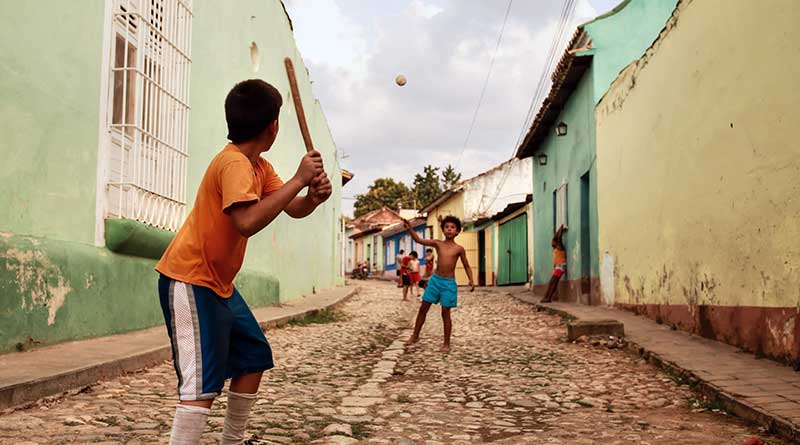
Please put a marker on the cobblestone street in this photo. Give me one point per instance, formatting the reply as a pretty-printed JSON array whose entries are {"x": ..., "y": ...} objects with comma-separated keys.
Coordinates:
[{"x": 510, "y": 378}]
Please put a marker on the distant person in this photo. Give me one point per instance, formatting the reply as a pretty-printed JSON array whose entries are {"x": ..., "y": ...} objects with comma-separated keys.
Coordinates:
[
  {"x": 428, "y": 268},
  {"x": 559, "y": 264},
  {"x": 213, "y": 333},
  {"x": 415, "y": 277},
  {"x": 398, "y": 261},
  {"x": 442, "y": 286},
  {"x": 405, "y": 275}
]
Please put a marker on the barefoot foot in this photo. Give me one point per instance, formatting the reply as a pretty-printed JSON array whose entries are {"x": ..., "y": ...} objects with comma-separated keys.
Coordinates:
[
  {"x": 444, "y": 349},
  {"x": 411, "y": 341}
]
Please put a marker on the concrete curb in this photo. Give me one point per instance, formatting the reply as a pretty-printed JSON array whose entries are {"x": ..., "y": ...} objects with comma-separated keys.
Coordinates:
[
  {"x": 729, "y": 402},
  {"x": 20, "y": 395}
]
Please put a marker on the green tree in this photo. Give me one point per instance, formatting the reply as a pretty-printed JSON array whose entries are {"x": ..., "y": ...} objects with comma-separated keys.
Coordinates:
[
  {"x": 384, "y": 192},
  {"x": 450, "y": 177},
  {"x": 427, "y": 186}
]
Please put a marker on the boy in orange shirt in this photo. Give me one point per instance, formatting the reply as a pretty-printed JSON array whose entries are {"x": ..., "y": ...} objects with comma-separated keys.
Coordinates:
[
  {"x": 214, "y": 334},
  {"x": 559, "y": 264}
]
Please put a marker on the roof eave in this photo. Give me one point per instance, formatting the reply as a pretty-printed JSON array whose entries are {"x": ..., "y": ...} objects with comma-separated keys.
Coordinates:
[{"x": 573, "y": 63}]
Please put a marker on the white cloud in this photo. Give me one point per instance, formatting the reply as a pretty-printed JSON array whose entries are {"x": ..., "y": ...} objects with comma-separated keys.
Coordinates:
[{"x": 444, "y": 48}]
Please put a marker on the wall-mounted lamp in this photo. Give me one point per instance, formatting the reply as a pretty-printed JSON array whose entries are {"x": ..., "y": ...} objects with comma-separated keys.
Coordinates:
[
  {"x": 542, "y": 159},
  {"x": 561, "y": 129}
]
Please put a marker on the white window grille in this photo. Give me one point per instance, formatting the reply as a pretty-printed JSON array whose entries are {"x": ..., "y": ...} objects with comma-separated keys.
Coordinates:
[
  {"x": 561, "y": 206},
  {"x": 148, "y": 111}
]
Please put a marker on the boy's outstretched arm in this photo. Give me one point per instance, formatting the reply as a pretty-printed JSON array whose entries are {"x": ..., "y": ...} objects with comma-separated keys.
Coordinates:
[
  {"x": 319, "y": 190},
  {"x": 415, "y": 236},
  {"x": 560, "y": 234},
  {"x": 250, "y": 218},
  {"x": 467, "y": 269}
]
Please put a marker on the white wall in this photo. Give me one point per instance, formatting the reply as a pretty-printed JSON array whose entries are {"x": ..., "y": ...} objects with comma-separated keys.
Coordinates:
[{"x": 490, "y": 193}]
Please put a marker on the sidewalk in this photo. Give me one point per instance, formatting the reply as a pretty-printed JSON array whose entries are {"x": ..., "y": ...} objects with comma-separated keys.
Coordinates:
[
  {"x": 51, "y": 370},
  {"x": 759, "y": 390}
]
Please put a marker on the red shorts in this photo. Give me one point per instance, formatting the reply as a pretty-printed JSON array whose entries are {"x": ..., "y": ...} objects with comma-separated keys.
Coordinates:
[
  {"x": 559, "y": 270},
  {"x": 415, "y": 277}
]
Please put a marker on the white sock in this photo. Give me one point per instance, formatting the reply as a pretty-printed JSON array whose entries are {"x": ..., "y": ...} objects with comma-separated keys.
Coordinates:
[
  {"x": 239, "y": 405},
  {"x": 188, "y": 425}
]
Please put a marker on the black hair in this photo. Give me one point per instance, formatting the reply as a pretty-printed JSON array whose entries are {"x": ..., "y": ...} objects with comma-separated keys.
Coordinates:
[
  {"x": 250, "y": 107},
  {"x": 414, "y": 254},
  {"x": 402, "y": 251},
  {"x": 429, "y": 250},
  {"x": 451, "y": 219}
]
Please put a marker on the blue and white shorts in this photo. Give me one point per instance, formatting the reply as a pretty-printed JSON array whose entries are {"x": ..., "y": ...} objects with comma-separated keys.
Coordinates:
[{"x": 213, "y": 338}]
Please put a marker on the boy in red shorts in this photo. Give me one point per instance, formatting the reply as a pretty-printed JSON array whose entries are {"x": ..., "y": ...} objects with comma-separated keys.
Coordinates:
[{"x": 559, "y": 264}]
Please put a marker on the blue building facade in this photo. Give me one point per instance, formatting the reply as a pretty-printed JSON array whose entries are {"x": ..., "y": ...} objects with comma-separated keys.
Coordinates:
[{"x": 397, "y": 238}]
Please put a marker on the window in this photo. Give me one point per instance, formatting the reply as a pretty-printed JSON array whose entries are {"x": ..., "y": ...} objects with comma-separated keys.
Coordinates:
[
  {"x": 146, "y": 148},
  {"x": 561, "y": 206},
  {"x": 391, "y": 251}
]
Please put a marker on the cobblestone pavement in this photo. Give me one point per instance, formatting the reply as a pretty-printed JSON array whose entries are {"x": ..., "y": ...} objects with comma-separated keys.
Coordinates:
[{"x": 509, "y": 379}]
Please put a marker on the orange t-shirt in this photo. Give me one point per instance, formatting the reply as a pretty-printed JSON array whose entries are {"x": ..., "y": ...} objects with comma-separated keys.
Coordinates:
[
  {"x": 559, "y": 257},
  {"x": 208, "y": 250}
]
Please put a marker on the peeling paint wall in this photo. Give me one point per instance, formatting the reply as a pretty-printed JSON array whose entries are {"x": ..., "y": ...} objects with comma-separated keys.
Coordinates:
[{"x": 699, "y": 201}]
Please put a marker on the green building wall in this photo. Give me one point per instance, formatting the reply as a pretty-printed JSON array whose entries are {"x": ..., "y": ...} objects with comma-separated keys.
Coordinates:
[
  {"x": 569, "y": 157},
  {"x": 49, "y": 114},
  {"x": 55, "y": 283}
]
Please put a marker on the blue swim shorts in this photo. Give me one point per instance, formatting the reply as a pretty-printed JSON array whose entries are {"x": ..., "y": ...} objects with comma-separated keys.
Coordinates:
[
  {"x": 441, "y": 290},
  {"x": 213, "y": 338}
]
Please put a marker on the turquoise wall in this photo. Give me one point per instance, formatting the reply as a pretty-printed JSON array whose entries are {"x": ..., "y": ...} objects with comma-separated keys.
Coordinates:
[
  {"x": 56, "y": 285},
  {"x": 622, "y": 36},
  {"x": 50, "y": 56},
  {"x": 568, "y": 158}
]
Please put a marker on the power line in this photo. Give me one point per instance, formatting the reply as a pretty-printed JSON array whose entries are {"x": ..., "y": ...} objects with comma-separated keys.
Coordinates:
[
  {"x": 485, "y": 84},
  {"x": 564, "y": 23}
]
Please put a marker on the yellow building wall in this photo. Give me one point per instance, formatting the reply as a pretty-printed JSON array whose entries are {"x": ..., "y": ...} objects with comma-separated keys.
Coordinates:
[
  {"x": 699, "y": 164},
  {"x": 489, "y": 241},
  {"x": 469, "y": 240}
]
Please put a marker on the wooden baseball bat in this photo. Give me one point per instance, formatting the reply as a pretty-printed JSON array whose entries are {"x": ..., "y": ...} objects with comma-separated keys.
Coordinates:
[{"x": 298, "y": 104}]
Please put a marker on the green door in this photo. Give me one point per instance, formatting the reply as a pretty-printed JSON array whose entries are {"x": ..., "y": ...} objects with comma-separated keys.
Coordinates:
[{"x": 512, "y": 257}]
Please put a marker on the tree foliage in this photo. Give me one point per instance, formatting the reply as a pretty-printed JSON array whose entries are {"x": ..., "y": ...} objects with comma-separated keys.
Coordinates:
[
  {"x": 384, "y": 192},
  {"x": 427, "y": 186},
  {"x": 450, "y": 177}
]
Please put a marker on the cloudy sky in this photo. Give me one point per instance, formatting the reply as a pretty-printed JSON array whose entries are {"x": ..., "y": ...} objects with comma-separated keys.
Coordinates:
[{"x": 355, "y": 48}]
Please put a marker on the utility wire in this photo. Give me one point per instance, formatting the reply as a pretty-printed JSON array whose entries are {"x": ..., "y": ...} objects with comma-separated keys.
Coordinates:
[
  {"x": 485, "y": 84},
  {"x": 564, "y": 24}
]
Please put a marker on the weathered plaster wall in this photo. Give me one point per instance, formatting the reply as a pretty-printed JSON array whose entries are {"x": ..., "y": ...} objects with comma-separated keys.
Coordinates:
[
  {"x": 490, "y": 192},
  {"x": 60, "y": 290},
  {"x": 698, "y": 190}
]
